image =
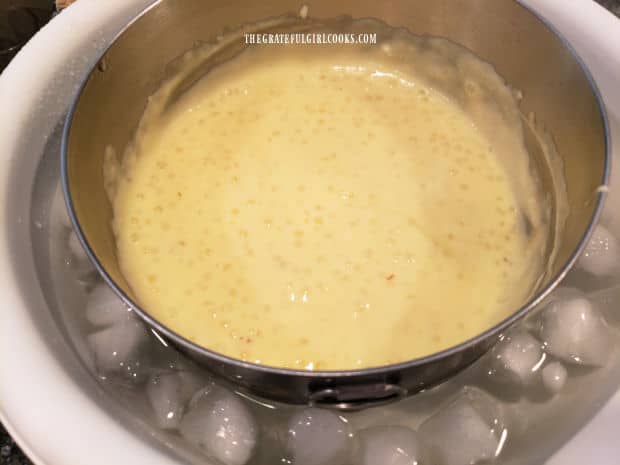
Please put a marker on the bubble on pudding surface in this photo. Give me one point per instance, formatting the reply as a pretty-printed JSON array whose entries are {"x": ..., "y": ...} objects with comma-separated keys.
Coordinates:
[
  {"x": 220, "y": 424},
  {"x": 554, "y": 376},
  {"x": 318, "y": 437},
  {"x": 573, "y": 330},
  {"x": 601, "y": 257},
  {"x": 517, "y": 358},
  {"x": 469, "y": 430},
  {"x": 388, "y": 445},
  {"x": 105, "y": 308},
  {"x": 169, "y": 393},
  {"x": 118, "y": 349}
]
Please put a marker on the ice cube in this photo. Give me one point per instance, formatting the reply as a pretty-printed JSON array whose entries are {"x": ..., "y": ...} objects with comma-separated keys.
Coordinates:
[
  {"x": 606, "y": 301},
  {"x": 219, "y": 423},
  {"x": 564, "y": 293},
  {"x": 192, "y": 382},
  {"x": 574, "y": 331},
  {"x": 118, "y": 349},
  {"x": 318, "y": 437},
  {"x": 77, "y": 251},
  {"x": 531, "y": 322},
  {"x": 601, "y": 256},
  {"x": 169, "y": 393},
  {"x": 517, "y": 358},
  {"x": 164, "y": 392},
  {"x": 468, "y": 430},
  {"x": 60, "y": 211},
  {"x": 610, "y": 216},
  {"x": 395, "y": 414},
  {"x": 105, "y": 308},
  {"x": 410, "y": 411},
  {"x": 78, "y": 260},
  {"x": 554, "y": 377},
  {"x": 388, "y": 445}
]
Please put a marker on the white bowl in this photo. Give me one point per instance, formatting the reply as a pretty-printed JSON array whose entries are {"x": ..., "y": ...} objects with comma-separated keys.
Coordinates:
[{"x": 53, "y": 408}]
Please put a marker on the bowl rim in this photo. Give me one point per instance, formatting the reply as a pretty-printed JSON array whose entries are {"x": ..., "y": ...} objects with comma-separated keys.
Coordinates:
[{"x": 487, "y": 334}]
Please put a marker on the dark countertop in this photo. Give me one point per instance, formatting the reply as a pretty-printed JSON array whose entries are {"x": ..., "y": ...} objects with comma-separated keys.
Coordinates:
[
  {"x": 611, "y": 5},
  {"x": 10, "y": 453}
]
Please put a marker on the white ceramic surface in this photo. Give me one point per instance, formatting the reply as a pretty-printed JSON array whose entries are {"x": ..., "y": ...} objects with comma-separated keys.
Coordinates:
[{"x": 50, "y": 416}]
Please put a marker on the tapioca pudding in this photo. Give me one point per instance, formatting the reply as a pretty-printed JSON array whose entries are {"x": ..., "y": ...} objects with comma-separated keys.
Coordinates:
[{"x": 321, "y": 209}]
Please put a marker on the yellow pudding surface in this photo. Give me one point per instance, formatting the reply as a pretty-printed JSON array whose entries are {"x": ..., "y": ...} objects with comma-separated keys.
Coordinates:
[{"x": 320, "y": 212}]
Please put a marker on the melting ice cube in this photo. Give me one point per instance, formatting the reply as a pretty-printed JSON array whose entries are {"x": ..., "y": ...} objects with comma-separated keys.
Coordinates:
[
  {"x": 77, "y": 251},
  {"x": 388, "y": 445},
  {"x": 611, "y": 211},
  {"x": 554, "y": 377},
  {"x": 105, "y": 308},
  {"x": 574, "y": 331},
  {"x": 60, "y": 211},
  {"x": 164, "y": 393},
  {"x": 318, "y": 437},
  {"x": 517, "y": 358},
  {"x": 192, "y": 382},
  {"x": 220, "y": 423},
  {"x": 169, "y": 392},
  {"x": 601, "y": 256},
  {"x": 165, "y": 397},
  {"x": 468, "y": 430},
  {"x": 117, "y": 349}
]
